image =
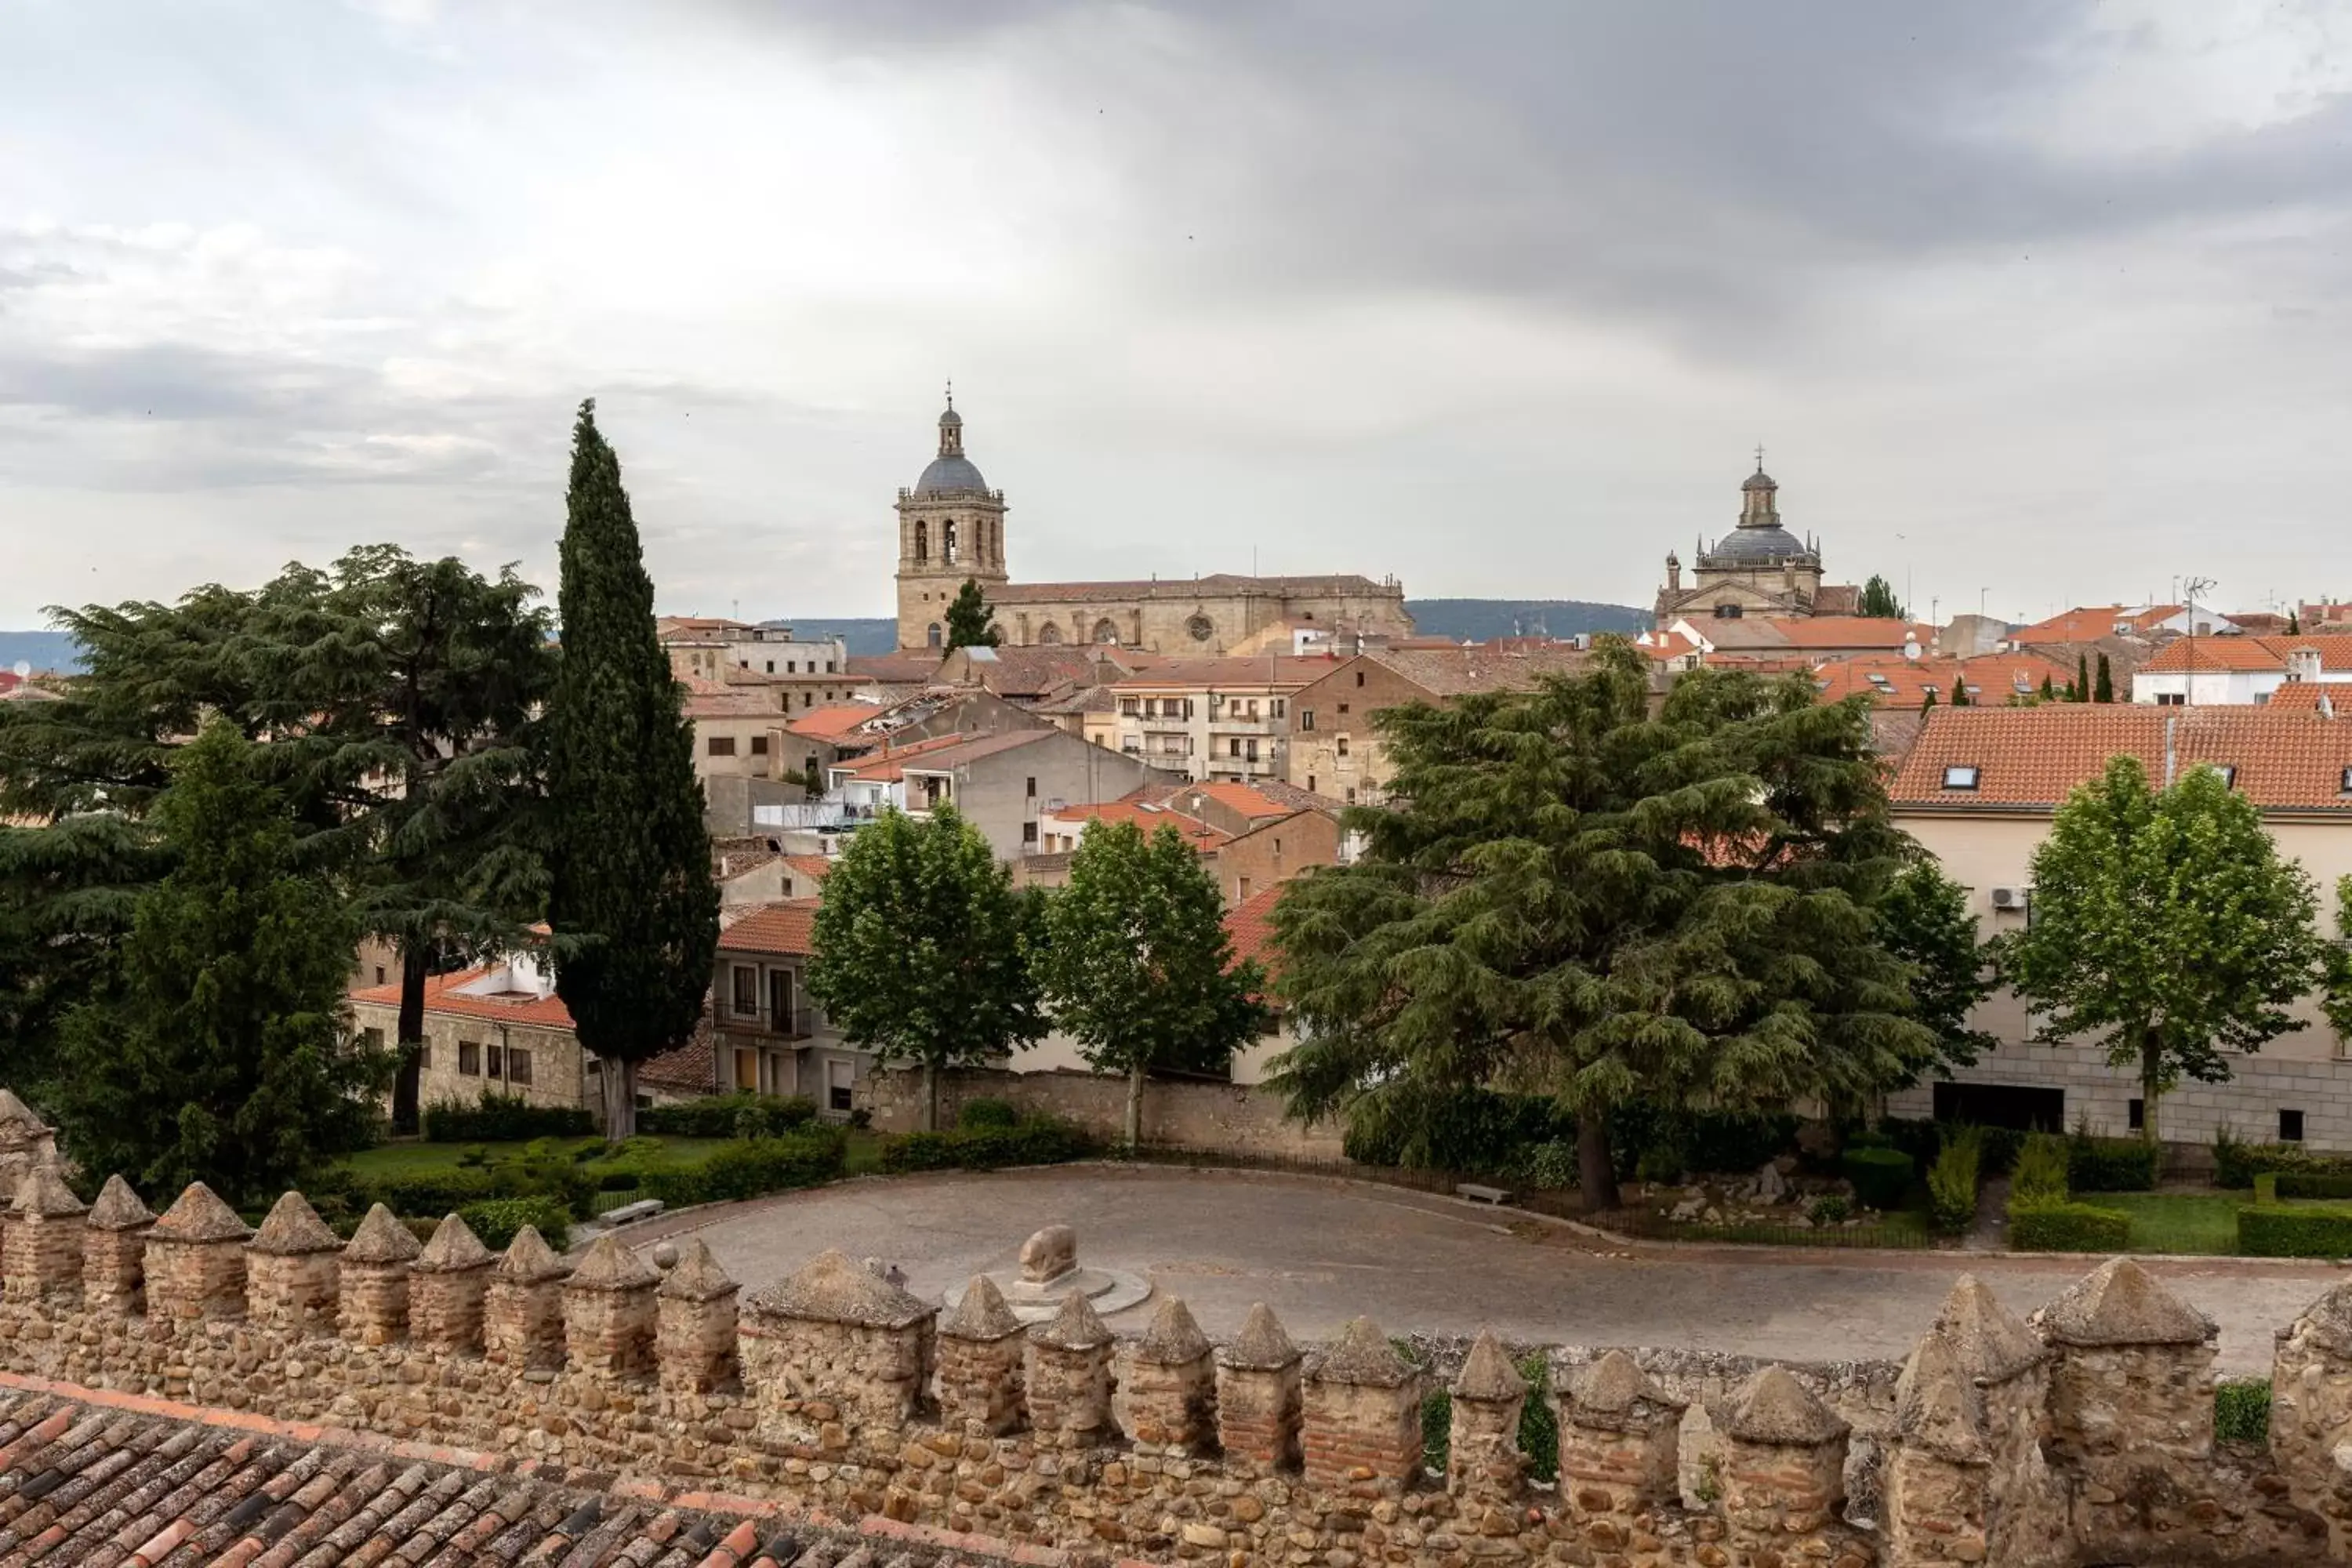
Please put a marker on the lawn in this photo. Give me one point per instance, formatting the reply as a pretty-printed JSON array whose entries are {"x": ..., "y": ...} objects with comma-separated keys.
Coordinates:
[
  {"x": 2199, "y": 1222},
  {"x": 400, "y": 1159}
]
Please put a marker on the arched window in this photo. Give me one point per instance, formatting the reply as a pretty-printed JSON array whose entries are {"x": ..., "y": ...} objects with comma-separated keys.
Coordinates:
[
  {"x": 948, "y": 541},
  {"x": 934, "y": 636},
  {"x": 923, "y": 540},
  {"x": 1105, "y": 631},
  {"x": 1049, "y": 633}
]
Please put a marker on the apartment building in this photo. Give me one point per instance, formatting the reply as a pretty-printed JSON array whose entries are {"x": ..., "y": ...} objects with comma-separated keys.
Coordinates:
[
  {"x": 1213, "y": 717},
  {"x": 1335, "y": 749}
]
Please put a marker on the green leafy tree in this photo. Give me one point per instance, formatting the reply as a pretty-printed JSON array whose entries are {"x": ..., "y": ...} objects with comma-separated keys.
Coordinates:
[
  {"x": 811, "y": 781},
  {"x": 634, "y": 909},
  {"x": 1137, "y": 966},
  {"x": 1924, "y": 919},
  {"x": 67, "y": 895},
  {"x": 1569, "y": 894},
  {"x": 2105, "y": 689},
  {"x": 924, "y": 948},
  {"x": 2083, "y": 677},
  {"x": 1878, "y": 599},
  {"x": 2337, "y": 1001},
  {"x": 967, "y": 619},
  {"x": 221, "y": 1052},
  {"x": 2167, "y": 928}
]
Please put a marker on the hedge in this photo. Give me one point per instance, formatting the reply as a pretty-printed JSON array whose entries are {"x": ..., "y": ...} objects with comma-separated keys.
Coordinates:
[
  {"x": 1881, "y": 1177},
  {"x": 2111, "y": 1164},
  {"x": 1923, "y": 1139},
  {"x": 2304, "y": 1232},
  {"x": 2045, "y": 1226},
  {"x": 503, "y": 1119},
  {"x": 497, "y": 1220},
  {"x": 1043, "y": 1141},
  {"x": 2308, "y": 1184},
  {"x": 749, "y": 1169},
  {"x": 2236, "y": 1164},
  {"x": 742, "y": 1115}
]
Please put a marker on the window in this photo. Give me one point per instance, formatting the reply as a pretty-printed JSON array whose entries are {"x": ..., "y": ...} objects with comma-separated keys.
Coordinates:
[
  {"x": 1727, "y": 612},
  {"x": 1279, "y": 707},
  {"x": 2342, "y": 785},
  {"x": 497, "y": 1061},
  {"x": 759, "y": 745},
  {"x": 469, "y": 1058},
  {"x": 2290, "y": 1126},
  {"x": 1234, "y": 747},
  {"x": 2135, "y": 1115},
  {"x": 722, "y": 745},
  {"x": 517, "y": 1065},
  {"x": 424, "y": 1056},
  {"x": 933, "y": 636},
  {"x": 1031, "y": 791},
  {"x": 1961, "y": 775},
  {"x": 1343, "y": 708},
  {"x": 1241, "y": 889},
  {"x": 1129, "y": 706},
  {"x": 747, "y": 991},
  {"x": 2171, "y": 700},
  {"x": 1310, "y": 783},
  {"x": 771, "y": 667},
  {"x": 828, "y": 667},
  {"x": 1029, "y": 833},
  {"x": 1343, "y": 745},
  {"x": 1360, "y": 678},
  {"x": 1252, "y": 752},
  {"x": 2229, "y": 772},
  {"x": 1351, "y": 794},
  {"x": 783, "y": 1017},
  {"x": 1307, "y": 721},
  {"x": 372, "y": 1039},
  {"x": 2347, "y": 776},
  {"x": 808, "y": 698}
]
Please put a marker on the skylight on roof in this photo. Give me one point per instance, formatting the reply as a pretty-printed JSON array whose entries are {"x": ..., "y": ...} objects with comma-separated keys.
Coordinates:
[
  {"x": 1961, "y": 775},
  {"x": 2229, "y": 772},
  {"x": 2344, "y": 784}
]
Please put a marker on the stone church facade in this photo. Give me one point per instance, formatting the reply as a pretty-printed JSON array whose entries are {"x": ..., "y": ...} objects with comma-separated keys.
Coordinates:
[
  {"x": 1759, "y": 569},
  {"x": 951, "y": 528}
]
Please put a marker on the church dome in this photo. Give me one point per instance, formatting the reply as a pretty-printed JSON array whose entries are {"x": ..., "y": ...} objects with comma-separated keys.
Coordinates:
[
  {"x": 1759, "y": 480},
  {"x": 950, "y": 473},
  {"x": 1749, "y": 542}
]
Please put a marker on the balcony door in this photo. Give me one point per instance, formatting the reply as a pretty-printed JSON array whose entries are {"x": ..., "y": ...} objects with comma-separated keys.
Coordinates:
[{"x": 781, "y": 1018}]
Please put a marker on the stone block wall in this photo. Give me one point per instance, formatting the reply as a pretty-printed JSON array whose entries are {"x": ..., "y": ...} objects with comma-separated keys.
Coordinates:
[
  {"x": 1235, "y": 1119},
  {"x": 2084, "y": 1437}
]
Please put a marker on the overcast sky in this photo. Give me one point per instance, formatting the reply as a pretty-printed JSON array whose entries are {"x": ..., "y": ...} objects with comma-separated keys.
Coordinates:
[{"x": 2043, "y": 302}]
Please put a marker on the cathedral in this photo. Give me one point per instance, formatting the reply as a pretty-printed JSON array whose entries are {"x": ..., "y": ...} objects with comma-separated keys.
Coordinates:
[
  {"x": 951, "y": 526},
  {"x": 1760, "y": 568}
]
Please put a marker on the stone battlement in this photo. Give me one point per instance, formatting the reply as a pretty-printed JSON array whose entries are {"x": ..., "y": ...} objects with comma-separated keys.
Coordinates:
[{"x": 2081, "y": 1436}]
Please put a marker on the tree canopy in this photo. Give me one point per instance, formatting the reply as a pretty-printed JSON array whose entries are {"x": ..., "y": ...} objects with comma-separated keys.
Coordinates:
[
  {"x": 1566, "y": 893},
  {"x": 2167, "y": 928},
  {"x": 1878, "y": 599},
  {"x": 1137, "y": 966},
  {"x": 924, "y": 947},
  {"x": 220, "y": 1051},
  {"x": 635, "y": 911},
  {"x": 967, "y": 619}
]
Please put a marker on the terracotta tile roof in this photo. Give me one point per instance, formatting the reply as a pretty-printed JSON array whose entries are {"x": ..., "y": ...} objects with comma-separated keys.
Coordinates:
[
  {"x": 1250, "y": 800},
  {"x": 916, "y": 665},
  {"x": 2307, "y": 697},
  {"x": 834, "y": 721},
  {"x": 1148, "y": 816},
  {"x": 1815, "y": 632},
  {"x": 1458, "y": 672},
  {"x": 1892, "y": 680},
  {"x": 689, "y": 1068},
  {"x": 706, "y": 699},
  {"x": 2257, "y": 653},
  {"x": 1293, "y": 797},
  {"x": 440, "y": 996},
  {"x": 1256, "y": 670},
  {"x": 788, "y": 928},
  {"x": 1221, "y": 585},
  {"x": 816, "y": 868},
  {"x": 1837, "y": 598},
  {"x": 886, "y": 766},
  {"x": 1085, "y": 699},
  {"x": 2031, "y": 758},
  {"x": 2089, "y": 623},
  {"x": 1250, "y": 925},
  {"x": 963, "y": 749},
  {"x": 98, "y": 1477}
]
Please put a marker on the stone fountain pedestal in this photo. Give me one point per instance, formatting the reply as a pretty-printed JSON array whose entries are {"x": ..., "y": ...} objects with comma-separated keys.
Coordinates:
[{"x": 1050, "y": 1270}]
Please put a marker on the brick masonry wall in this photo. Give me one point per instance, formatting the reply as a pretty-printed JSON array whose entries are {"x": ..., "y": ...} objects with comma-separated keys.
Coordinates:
[{"x": 831, "y": 1403}]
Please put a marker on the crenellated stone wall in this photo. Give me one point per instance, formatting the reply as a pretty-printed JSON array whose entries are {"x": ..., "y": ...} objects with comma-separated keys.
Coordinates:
[{"x": 2082, "y": 1437}]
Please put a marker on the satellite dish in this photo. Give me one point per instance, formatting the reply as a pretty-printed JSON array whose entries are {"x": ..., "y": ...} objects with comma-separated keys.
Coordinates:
[{"x": 24, "y": 669}]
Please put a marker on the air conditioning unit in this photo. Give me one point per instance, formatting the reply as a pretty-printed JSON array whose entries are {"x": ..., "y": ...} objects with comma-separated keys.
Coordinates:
[{"x": 2008, "y": 898}]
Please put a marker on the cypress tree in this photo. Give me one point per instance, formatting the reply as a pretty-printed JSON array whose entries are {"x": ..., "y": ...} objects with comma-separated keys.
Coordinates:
[
  {"x": 2048, "y": 694},
  {"x": 634, "y": 911},
  {"x": 1928, "y": 701},
  {"x": 967, "y": 619},
  {"x": 2106, "y": 688},
  {"x": 1960, "y": 688},
  {"x": 2293, "y": 624},
  {"x": 2083, "y": 677}
]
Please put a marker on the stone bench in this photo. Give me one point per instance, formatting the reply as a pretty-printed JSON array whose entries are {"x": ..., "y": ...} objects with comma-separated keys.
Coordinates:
[{"x": 1478, "y": 1193}]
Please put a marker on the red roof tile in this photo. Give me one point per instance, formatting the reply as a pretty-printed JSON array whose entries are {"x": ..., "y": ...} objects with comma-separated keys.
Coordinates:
[
  {"x": 2032, "y": 758},
  {"x": 788, "y": 928},
  {"x": 440, "y": 996},
  {"x": 2256, "y": 653},
  {"x": 1148, "y": 816},
  {"x": 1892, "y": 680},
  {"x": 1250, "y": 926},
  {"x": 1247, "y": 799},
  {"x": 832, "y": 722}
]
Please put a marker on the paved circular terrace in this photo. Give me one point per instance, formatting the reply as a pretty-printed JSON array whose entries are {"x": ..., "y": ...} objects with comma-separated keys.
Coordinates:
[{"x": 1321, "y": 1251}]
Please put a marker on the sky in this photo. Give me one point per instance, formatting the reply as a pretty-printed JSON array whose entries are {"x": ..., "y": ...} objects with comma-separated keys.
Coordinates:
[{"x": 2028, "y": 304}]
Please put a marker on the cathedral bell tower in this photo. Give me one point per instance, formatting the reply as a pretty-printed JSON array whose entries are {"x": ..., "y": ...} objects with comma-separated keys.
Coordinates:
[{"x": 950, "y": 527}]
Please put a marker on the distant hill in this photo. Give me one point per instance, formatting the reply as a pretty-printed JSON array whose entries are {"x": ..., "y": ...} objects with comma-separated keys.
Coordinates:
[
  {"x": 1477, "y": 620},
  {"x": 864, "y": 634},
  {"x": 42, "y": 650}
]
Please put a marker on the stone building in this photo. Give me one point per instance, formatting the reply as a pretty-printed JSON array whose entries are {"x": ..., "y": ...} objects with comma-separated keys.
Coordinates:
[
  {"x": 1760, "y": 568},
  {"x": 951, "y": 528},
  {"x": 498, "y": 1028},
  {"x": 1334, "y": 748}
]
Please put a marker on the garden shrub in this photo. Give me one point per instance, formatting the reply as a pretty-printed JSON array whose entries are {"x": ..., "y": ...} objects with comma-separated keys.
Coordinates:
[
  {"x": 1552, "y": 1166},
  {"x": 2295, "y": 1231},
  {"x": 1881, "y": 1177},
  {"x": 749, "y": 1169},
  {"x": 2042, "y": 1225},
  {"x": 2236, "y": 1164},
  {"x": 1660, "y": 1164},
  {"x": 1473, "y": 1130},
  {"x": 2040, "y": 1170},
  {"x": 2304, "y": 1184},
  {"x": 1539, "y": 1423},
  {"x": 1952, "y": 1180},
  {"x": 2242, "y": 1410},
  {"x": 1042, "y": 1141},
  {"x": 725, "y": 1116},
  {"x": 2110, "y": 1165},
  {"x": 987, "y": 1113},
  {"x": 503, "y": 1119},
  {"x": 429, "y": 1193},
  {"x": 496, "y": 1221},
  {"x": 544, "y": 1171},
  {"x": 2266, "y": 1188},
  {"x": 1831, "y": 1208},
  {"x": 1916, "y": 1136}
]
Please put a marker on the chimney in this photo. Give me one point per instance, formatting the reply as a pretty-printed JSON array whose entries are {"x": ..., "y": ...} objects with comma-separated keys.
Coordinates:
[{"x": 2171, "y": 727}]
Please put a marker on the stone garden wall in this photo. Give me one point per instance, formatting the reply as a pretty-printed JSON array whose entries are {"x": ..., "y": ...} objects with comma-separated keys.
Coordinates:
[
  {"x": 1226, "y": 1117},
  {"x": 2082, "y": 1435}
]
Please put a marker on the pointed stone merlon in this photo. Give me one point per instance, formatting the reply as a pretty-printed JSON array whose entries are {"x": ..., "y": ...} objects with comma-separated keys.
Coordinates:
[
  {"x": 694, "y": 1338},
  {"x": 196, "y": 1259},
  {"x": 2131, "y": 1373},
  {"x": 609, "y": 1311},
  {"x": 522, "y": 1311},
  {"x": 977, "y": 1380},
  {"x": 2311, "y": 1410},
  {"x": 373, "y": 1270},
  {"x": 1170, "y": 1386},
  {"x": 1618, "y": 1441},
  {"x": 41, "y": 1256},
  {"x": 114, "y": 1251},
  {"x": 1067, "y": 1373},
  {"x": 1483, "y": 1460},
  {"x": 1783, "y": 1462},
  {"x": 1938, "y": 1477},
  {"x": 835, "y": 1345},
  {"x": 290, "y": 1277},
  {"x": 1361, "y": 1420},
  {"x": 447, "y": 1286},
  {"x": 1259, "y": 1396},
  {"x": 26, "y": 1142}
]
